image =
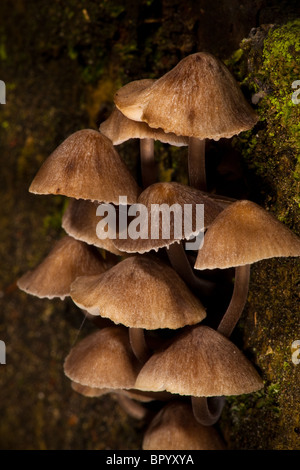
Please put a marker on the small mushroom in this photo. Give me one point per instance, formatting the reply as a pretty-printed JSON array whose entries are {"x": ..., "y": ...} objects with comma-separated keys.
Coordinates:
[
  {"x": 242, "y": 234},
  {"x": 103, "y": 360},
  {"x": 86, "y": 166},
  {"x": 68, "y": 259},
  {"x": 175, "y": 428},
  {"x": 140, "y": 292},
  {"x": 201, "y": 363}
]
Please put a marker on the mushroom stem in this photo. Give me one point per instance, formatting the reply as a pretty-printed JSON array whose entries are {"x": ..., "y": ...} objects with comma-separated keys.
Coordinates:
[
  {"x": 138, "y": 344},
  {"x": 148, "y": 166},
  {"x": 207, "y": 410},
  {"x": 196, "y": 163},
  {"x": 238, "y": 300},
  {"x": 179, "y": 261},
  {"x": 131, "y": 407}
]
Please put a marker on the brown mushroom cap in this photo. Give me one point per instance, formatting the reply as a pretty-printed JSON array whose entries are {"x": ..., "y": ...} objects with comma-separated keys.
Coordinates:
[
  {"x": 175, "y": 428},
  {"x": 53, "y": 277},
  {"x": 118, "y": 128},
  {"x": 168, "y": 193},
  {"x": 197, "y": 98},
  {"x": 200, "y": 362},
  {"x": 243, "y": 234},
  {"x": 103, "y": 359},
  {"x": 139, "y": 292},
  {"x": 86, "y": 166},
  {"x": 80, "y": 221},
  {"x": 126, "y": 98}
]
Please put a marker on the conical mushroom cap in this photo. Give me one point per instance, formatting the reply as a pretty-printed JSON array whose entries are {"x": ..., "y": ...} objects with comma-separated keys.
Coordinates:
[
  {"x": 175, "y": 428},
  {"x": 53, "y": 277},
  {"x": 86, "y": 166},
  {"x": 197, "y": 98},
  {"x": 169, "y": 194},
  {"x": 103, "y": 359},
  {"x": 139, "y": 292},
  {"x": 200, "y": 362},
  {"x": 243, "y": 234},
  {"x": 118, "y": 128},
  {"x": 80, "y": 221}
]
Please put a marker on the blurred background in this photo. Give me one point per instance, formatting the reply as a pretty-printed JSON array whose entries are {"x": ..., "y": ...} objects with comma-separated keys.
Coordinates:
[{"x": 62, "y": 62}]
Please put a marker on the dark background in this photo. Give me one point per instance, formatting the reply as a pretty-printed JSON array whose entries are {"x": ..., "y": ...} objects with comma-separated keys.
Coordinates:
[{"x": 62, "y": 62}]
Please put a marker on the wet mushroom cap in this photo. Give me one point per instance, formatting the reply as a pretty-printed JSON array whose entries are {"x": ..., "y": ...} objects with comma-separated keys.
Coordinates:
[
  {"x": 68, "y": 259},
  {"x": 170, "y": 194},
  {"x": 86, "y": 166},
  {"x": 243, "y": 234},
  {"x": 197, "y": 98},
  {"x": 200, "y": 362},
  {"x": 103, "y": 359},
  {"x": 139, "y": 292},
  {"x": 175, "y": 428},
  {"x": 80, "y": 221},
  {"x": 118, "y": 128}
]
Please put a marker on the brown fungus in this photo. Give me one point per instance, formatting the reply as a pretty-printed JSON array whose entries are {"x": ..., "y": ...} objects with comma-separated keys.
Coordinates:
[
  {"x": 198, "y": 98},
  {"x": 118, "y": 128},
  {"x": 175, "y": 428},
  {"x": 176, "y": 196},
  {"x": 200, "y": 363},
  {"x": 103, "y": 360},
  {"x": 86, "y": 166},
  {"x": 242, "y": 234},
  {"x": 68, "y": 259},
  {"x": 140, "y": 292}
]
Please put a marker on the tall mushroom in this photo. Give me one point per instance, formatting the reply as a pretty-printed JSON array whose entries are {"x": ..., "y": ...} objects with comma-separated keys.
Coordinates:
[{"x": 198, "y": 98}]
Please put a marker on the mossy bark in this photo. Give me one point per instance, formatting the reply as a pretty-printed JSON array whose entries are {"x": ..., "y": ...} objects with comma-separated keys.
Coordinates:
[{"x": 268, "y": 64}]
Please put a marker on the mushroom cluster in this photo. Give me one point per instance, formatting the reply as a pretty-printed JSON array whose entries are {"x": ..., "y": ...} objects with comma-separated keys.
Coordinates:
[{"x": 165, "y": 339}]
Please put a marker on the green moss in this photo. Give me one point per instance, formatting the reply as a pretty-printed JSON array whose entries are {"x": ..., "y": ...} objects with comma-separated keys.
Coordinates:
[
  {"x": 272, "y": 148},
  {"x": 267, "y": 64}
]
